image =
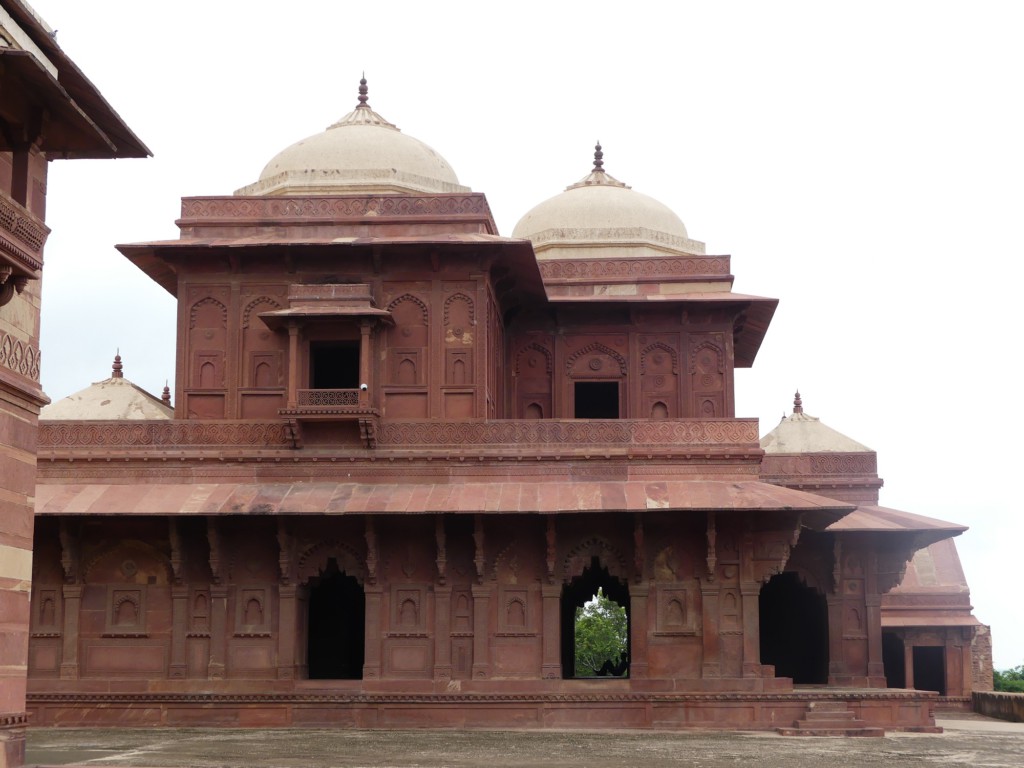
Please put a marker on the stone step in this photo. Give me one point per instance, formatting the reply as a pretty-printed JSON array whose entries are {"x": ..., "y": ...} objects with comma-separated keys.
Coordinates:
[
  {"x": 871, "y": 732},
  {"x": 830, "y": 718}
]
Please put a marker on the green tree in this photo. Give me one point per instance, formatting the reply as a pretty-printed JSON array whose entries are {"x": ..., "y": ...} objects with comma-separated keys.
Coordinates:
[
  {"x": 1011, "y": 680},
  {"x": 601, "y": 630}
]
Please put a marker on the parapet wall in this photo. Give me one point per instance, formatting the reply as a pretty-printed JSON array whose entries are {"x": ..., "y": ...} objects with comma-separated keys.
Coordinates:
[{"x": 1005, "y": 706}]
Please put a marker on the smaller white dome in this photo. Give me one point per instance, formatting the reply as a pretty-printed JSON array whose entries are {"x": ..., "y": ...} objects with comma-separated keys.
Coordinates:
[
  {"x": 107, "y": 400},
  {"x": 600, "y": 211},
  {"x": 362, "y": 153}
]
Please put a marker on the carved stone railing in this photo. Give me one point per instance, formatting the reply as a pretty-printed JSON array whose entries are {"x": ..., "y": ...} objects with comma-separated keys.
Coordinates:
[
  {"x": 55, "y": 435},
  {"x": 572, "y": 433},
  {"x": 327, "y": 397},
  {"x": 22, "y": 237}
]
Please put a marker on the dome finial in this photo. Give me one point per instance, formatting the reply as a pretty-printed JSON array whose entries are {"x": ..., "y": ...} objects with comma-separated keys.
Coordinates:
[
  {"x": 798, "y": 404},
  {"x": 116, "y": 372},
  {"x": 363, "y": 91},
  {"x": 598, "y": 157},
  {"x": 166, "y": 396}
]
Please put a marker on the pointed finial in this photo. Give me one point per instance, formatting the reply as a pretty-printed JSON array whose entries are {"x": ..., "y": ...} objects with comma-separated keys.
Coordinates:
[
  {"x": 798, "y": 404},
  {"x": 166, "y": 396},
  {"x": 363, "y": 91},
  {"x": 598, "y": 157},
  {"x": 116, "y": 373}
]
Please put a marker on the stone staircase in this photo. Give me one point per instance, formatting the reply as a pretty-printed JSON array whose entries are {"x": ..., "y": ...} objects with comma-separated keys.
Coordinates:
[{"x": 829, "y": 718}]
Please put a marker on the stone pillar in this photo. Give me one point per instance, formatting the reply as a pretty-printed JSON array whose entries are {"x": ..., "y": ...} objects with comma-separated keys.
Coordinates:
[
  {"x": 873, "y": 624},
  {"x": 749, "y": 595},
  {"x": 551, "y": 639},
  {"x": 638, "y": 630},
  {"x": 372, "y": 647},
  {"x": 218, "y": 631},
  {"x": 712, "y": 664},
  {"x": 287, "y": 631},
  {"x": 365, "y": 374},
  {"x": 179, "y": 632},
  {"x": 442, "y": 633},
  {"x": 69, "y": 651},
  {"x": 908, "y": 664},
  {"x": 293, "y": 364},
  {"x": 837, "y": 668},
  {"x": 481, "y": 632}
]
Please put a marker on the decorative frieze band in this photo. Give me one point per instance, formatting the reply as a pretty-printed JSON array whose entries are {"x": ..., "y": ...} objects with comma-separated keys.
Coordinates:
[
  {"x": 674, "y": 432},
  {"x": 259, "y": 208},
  {"x": 169, "y": 434},
  {"x": 568, "y": 269},
  {"x": 19, "y": 356},
  {"x": 820, "y": 464}
]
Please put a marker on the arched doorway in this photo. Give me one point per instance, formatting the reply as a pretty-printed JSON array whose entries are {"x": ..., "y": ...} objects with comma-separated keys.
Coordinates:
[
  {"x": 794, "y": 629},
  {"x": 336, "y": 628},
  {"x": 596, "y": 603}
]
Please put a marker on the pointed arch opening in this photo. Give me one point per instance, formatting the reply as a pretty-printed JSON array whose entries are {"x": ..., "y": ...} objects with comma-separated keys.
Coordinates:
[
  {"x": 336, "y": 628},
  {"x": 794, "y": 629},
  {"x": 595, "y": 624}
]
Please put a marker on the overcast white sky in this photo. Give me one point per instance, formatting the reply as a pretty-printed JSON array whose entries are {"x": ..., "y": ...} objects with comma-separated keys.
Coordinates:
[{"x": 863, "y": 162}]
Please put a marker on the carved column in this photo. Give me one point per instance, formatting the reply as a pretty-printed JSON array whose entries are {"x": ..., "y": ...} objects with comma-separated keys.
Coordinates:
[
  {"x": 288, "y": 629},
  {"x": 179, "y": 630},
  {"x": 365, "y": 374},
  {"x": 372, "y": 643},
  {"x": 908, "y": 664},
  {"x": 481, "y": 631},
  {"x": 218, "y": 630},
  {"x": 837, "y": 667},
  {"x": 749, "y": 596},
  {"x": 293, "y": 364},
  {"x": 551, "y": 642},
  {"x": 638, "y": 629},
  {"x": 442, "y": 633},
  {"x": 873, "y": 621},
  {"x": 72, "y": 606},
  {"x": 709, "y": 593}
]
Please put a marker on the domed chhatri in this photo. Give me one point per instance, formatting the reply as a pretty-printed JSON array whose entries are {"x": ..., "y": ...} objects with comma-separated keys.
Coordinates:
[
  {"x": 599, "y": 216},
  {"x": 362, "y": 153}
]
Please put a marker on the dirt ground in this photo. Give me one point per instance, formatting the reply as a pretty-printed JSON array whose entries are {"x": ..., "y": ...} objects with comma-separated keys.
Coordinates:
[{"x": 968, "y": 740}]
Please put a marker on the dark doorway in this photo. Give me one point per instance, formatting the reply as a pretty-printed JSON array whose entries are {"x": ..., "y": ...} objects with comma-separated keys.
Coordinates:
[
  {"x": 794, "y": 629},
  {"x": 337, "y": 611},
  {"x": 334, "y": 364},
  {"x": 596, "y": 400},
  {"x": 894, "y": 661},
  {"x": 575, "y": 595},
  {"x": 930, "y": 668}
]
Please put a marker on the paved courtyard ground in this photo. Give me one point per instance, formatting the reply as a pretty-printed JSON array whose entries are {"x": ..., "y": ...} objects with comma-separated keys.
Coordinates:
[{"x": 969, "y": 740}]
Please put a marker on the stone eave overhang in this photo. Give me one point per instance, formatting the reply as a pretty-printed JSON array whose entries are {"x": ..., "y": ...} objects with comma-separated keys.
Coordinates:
[
  {"x": 514, "y": 258},
  {"x": 494, "y": 497},
  {"x": 111, "y": 137},
  {"x": 752, "y": 314}
]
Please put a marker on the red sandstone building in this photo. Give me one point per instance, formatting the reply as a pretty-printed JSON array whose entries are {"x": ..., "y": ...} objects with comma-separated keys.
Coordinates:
[
  {"x": 48, "y": 110},
  {"x": 404, "y": 449}
]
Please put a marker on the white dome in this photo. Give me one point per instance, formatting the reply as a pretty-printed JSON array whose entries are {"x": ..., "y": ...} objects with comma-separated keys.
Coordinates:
[
  {"x": 360, "y": 154},
  {"x": 600, "y": 211}
]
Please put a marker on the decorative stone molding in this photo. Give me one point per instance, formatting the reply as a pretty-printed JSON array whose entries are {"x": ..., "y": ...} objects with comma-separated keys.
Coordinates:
[
  {"x": 195, "y": 210},
  {"x": 22, "y": 237},
  {"x": 119, "y": 434},
  {"x": 655, "y": 269},
  {"x": 19, "y": 356},
  {"x": 523, "y": 432}
]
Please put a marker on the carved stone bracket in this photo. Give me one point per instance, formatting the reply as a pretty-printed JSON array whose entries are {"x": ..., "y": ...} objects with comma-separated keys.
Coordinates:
[
  {"x": 216, "y": 550},
  {"x": 70, "y": 554},
  {"x": 176, "y": 551},
  {"x": 372, "y": 551},
  {"x": 638, "y": 548},
  {"x": 712, "y": 536},
  {"x": 551, "y": 552},
  {"x": 285, "y": 552},
  {"x": 442, "y": 552},
  {"x": 478, "y": 544}
]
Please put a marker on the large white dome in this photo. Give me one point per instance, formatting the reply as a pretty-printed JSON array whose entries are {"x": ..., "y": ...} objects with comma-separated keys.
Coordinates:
[
  {"x": 599, "y": 212},
  {"x": 362, "y": 153}
]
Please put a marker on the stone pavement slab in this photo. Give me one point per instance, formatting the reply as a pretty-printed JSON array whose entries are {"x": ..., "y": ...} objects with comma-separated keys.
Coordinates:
[{"x": 967, "y": 741}]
